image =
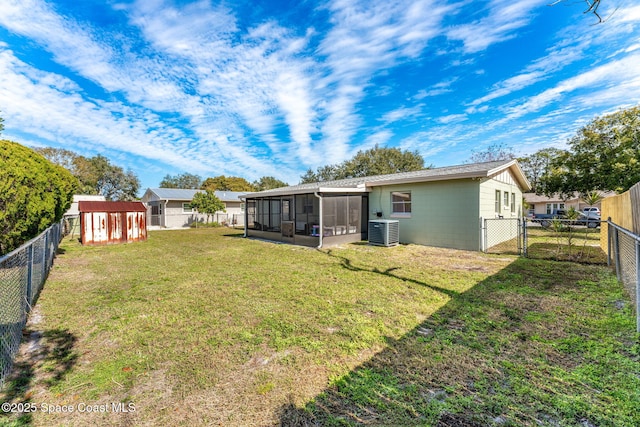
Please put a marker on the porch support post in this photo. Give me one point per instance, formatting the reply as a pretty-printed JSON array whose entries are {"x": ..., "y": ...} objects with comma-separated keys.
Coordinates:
[{"x": 320, "y": 222}]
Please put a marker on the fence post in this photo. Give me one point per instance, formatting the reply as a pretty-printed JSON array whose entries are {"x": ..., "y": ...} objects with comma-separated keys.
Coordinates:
[
  {"x": 483, "y": 234},
  {"x": 29, "y": 276},
  {"x": 525, "y": 243},
  {"x": 609, "y": 242},
  {"x": 616, "y": 251},
  {"x": 637, "y": 245}
]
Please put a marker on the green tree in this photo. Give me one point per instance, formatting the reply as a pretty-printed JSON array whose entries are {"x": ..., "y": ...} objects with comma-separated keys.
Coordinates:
[
  {"x": 268, "y": 183},
  {"x": 96, "y": 175},
  {"x": 224, "y": 183},
  {"x": 382, "y": 161},
  {"x": 537, "y": 165},
  {"x": 1, "y": 125},
  {"x": 592, "y": 198},
  {"x": 375, "y": 161},
  {"x": 207, "y": 203},
  {"x": 604, "y": 155},
  {"x": 494, "y": 152},
  {"x": 34, "y": 193},
  {"x": 185, "y": 180}
]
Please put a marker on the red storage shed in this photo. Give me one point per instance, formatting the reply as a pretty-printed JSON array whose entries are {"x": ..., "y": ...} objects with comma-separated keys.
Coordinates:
[{"x": 112, "y": 222}]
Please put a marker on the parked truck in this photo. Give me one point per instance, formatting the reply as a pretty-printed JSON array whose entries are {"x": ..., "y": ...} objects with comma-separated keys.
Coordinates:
[
  {"x": 545, "y": 219},
  {"x": 590, "y": 219}
]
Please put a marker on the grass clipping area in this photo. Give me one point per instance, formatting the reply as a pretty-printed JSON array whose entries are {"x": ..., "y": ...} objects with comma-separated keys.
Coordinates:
[{"x": 203, "y": 327}]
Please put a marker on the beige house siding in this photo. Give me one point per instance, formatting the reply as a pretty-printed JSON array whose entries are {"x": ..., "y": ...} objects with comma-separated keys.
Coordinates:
[
  {"x": 488, "y": 197},
  {"x": 502, "y": 231}
]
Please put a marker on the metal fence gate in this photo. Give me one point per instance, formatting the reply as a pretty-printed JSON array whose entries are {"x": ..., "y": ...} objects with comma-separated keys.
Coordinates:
[{"x": 503, "y": 235}]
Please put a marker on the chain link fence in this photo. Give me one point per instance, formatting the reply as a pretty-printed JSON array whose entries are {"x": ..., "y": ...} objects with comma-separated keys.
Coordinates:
[
  {"x": 502, "y": 235},
  {"x": 22, "y": 275},
  {"x": 624, "y": 254},
  {"x": 554, "y": 239}
]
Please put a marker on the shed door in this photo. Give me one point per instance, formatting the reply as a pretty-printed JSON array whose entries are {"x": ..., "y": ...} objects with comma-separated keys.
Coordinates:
[{"x": 96, "y": 227}]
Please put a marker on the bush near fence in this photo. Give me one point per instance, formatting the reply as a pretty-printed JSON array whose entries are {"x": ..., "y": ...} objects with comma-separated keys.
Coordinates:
[{"x": 22, "y": 275}]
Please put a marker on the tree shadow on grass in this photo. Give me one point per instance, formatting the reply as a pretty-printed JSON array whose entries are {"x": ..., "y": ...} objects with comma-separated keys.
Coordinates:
[
  {"x": 480, "y": 360},
  {"x": 49, "y": 355},
  {"x": 389, "y": 272}
]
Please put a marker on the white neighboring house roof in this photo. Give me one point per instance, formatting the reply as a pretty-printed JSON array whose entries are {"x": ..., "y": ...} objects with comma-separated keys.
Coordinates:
[
  {"x": 186, "y": 195},
  {"x": 73, "y": 210},
  {"x": 363, "y": 184}
]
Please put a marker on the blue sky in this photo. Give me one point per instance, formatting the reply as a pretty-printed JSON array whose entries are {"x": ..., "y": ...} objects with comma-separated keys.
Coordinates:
[{"x": 251, "y": 89}]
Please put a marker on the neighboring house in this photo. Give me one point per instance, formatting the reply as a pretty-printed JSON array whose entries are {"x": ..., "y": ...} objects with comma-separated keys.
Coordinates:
[
  {"x": 171, "y": 207},
  {"x": 72, "y": 216},
  {"x": 436, "y": 207},
  {"x": 104, "y": 223},
  {"x": 541, "y": 204}
]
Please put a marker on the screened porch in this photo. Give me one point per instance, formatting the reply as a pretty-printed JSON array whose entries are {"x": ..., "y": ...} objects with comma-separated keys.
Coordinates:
[{"x": 309, "y": 219}]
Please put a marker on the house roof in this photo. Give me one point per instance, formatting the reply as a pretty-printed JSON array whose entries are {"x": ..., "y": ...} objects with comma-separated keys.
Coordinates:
[
  {"x": 575, "y": 197},
  {"x": 98, "y": 206},
  {"x": 472, "y": 170},
  {"x": 183, "y": 194}
]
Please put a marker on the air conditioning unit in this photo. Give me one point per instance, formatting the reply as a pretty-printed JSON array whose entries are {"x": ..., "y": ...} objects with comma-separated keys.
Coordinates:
[{"x": 384, "y": 232}]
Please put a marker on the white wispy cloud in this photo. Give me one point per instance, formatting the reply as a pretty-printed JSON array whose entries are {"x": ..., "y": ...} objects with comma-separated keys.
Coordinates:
[
  {"x": 451, "y": 118},
  {"x": 605, "y": 77},
  {"x": 367, "y": 38},
  {"x": 403, "y": 113},
  {"x": 43, "y": 105},
  {"x": 503, "y": 18}
]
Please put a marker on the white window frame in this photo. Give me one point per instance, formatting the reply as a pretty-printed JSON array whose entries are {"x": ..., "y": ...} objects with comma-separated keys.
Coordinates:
[
  {"x": 554, "y": 207},
  {"x": 404, "y": 203},
  {"x": 513, "y": 202},
  {"x": 498, "y": 202},
  {"x": 186, "y": 208}
]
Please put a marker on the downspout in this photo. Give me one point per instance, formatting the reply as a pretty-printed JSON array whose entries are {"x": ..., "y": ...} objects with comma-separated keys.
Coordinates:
[
  {"x": 320, "y": 231},
  {"x": 246, "y": 215},
  {"x": 164, "y": 214}
]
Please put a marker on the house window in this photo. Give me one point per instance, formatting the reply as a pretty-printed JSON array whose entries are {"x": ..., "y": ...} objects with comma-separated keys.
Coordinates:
[
  {"x": 186, "y": 208},
  {"x": 513, "y": 202},
  {"x": 401, "y": 203},
  {"x": 551, "y": 207},
  {"x": 506, "y": 198},
  {"x": 498, "y": 210}
]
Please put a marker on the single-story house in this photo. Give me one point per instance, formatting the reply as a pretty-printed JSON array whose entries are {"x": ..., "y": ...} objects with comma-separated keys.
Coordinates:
[
  {"x": 171, "y": 207},
  {"x": 104, "y": 223},
  {"x": 441, "y": 207},
  {"x": 541, "y": 204}
]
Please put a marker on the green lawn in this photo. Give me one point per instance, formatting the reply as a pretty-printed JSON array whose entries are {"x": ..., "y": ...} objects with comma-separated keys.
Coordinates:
[{"x": 203, "y": 327}]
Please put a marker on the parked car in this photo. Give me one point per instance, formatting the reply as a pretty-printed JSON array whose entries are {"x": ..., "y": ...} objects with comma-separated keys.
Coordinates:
[
  {"x": 589, "y": 218},
  {"x": 591, "y": 209}
]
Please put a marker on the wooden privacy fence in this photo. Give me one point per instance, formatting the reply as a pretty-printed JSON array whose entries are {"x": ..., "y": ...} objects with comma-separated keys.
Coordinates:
[{"x": 624, "y": 210}]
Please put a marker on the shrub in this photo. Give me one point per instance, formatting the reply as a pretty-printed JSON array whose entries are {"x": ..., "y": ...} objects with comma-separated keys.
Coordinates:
[{"x": 34, "y": 193}]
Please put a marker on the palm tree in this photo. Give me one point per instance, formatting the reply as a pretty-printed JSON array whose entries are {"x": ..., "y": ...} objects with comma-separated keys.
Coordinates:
[{"x": 592, "y": 198}]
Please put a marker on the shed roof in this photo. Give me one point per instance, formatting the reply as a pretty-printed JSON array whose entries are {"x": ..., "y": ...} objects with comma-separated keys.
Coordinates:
[
  {"x": 472, "y": 170},
  {"x": 97, "y": 206},
  {"x": 184, "y": 194}
]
